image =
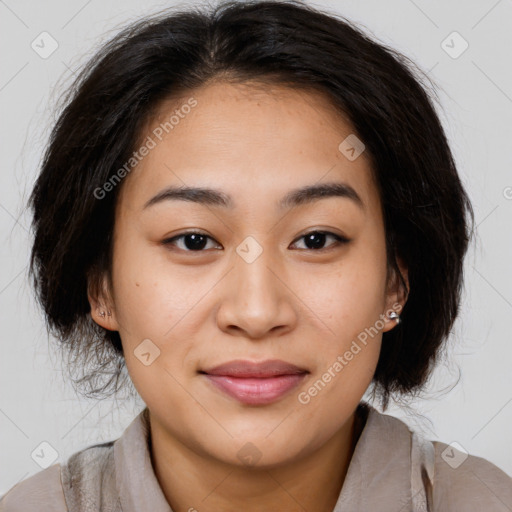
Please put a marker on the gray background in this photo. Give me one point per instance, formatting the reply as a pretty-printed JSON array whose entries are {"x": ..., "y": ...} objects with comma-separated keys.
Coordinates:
[{"x": 475, "y": 88}]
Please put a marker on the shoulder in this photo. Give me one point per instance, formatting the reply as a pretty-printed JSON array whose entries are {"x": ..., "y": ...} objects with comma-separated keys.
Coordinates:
[
  {"x": 89, "y": 479},
  {"x": 41, "y": 492},
  {"x": 442, "y": 475},
  {"x": 56, "y": 488},
  {"x": 467, "y": 482}
]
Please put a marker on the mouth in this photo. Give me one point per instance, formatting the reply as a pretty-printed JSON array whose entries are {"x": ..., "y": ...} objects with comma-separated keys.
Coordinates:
[{"x": 255, "y": 383}]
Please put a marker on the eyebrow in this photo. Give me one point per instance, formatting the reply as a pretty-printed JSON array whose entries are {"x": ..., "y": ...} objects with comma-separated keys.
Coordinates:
[{"x": 294, "y": 198}]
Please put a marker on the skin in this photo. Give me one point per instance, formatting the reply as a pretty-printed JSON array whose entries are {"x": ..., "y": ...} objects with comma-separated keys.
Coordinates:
[{"x": 205, "y": 308}]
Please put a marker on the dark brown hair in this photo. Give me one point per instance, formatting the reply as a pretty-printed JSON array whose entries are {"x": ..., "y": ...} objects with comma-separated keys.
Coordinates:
[{"x": 379, "y": 91}]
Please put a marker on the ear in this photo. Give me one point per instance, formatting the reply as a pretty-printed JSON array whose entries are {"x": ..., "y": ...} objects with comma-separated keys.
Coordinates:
[
  {"x": 396, "y": 295},
  {"x": 102, "y": 305}
]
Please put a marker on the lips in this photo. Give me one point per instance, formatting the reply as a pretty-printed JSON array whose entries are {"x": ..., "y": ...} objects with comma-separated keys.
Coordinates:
[
  {"x": 263, "y": 369},
  {"x": 255, "y": 383}
]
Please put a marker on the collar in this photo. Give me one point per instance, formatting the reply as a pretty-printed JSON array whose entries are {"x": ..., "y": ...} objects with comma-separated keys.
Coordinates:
[
  {"x": 136, "y": 482},
  {"x": 379, "y": 473},
  {"x": 378, "y": 476}
]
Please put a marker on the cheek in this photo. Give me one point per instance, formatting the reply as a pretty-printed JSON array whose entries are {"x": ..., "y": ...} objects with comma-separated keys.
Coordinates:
[
  {"x": 156, "y": 307},
  {"x": 349, "y": 299},
  {"x": 351, "y": 304},
  {"x": 151, "y": 295}
]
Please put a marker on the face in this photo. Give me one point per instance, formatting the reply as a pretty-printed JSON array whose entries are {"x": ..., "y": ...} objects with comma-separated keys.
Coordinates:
[{"x": 200, "y": 283}]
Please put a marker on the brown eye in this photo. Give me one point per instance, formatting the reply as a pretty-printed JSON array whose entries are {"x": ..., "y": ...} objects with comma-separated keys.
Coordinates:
[
  {"x": 315, "y": 240},
  {"x": 192, "y": 241}
]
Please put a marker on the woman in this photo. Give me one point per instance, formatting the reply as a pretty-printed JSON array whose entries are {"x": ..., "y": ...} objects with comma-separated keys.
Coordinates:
[{"x": 201, "y": 159}]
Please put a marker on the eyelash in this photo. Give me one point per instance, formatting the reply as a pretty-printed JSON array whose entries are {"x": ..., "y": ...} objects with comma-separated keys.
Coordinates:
[{"x": 340, "y": 240}]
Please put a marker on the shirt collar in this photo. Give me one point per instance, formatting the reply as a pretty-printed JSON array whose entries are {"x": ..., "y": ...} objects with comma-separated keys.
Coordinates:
[
  {"x": 379, "y": 473},
  {"x": 136, "y": 481},
  {"x": 378, "y": 476}
]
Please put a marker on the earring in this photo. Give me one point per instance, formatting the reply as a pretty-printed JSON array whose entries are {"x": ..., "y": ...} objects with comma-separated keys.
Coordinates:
[
  {"x": 102, "y": 313},
  {"x": 394, "y": 315}
]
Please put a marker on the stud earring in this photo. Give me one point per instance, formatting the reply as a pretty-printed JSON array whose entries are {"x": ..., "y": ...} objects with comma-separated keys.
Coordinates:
[{"x": 394, "y": 315}]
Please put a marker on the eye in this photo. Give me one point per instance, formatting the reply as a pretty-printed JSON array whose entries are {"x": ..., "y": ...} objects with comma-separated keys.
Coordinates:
[
  {"x": 316, "y": 239},
  {"x": 193, "y": 241}
]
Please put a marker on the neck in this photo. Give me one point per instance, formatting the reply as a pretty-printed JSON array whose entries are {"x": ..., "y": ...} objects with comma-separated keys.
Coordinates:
[{"x": 191, "y": 481}]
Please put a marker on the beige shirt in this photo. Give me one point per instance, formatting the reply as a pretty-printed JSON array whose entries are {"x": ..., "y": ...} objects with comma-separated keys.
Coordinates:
[{"x": 392, "y": 469}]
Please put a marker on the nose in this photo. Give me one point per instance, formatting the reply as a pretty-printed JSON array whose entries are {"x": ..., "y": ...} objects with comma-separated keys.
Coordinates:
[{"x": 257, "y": 302}]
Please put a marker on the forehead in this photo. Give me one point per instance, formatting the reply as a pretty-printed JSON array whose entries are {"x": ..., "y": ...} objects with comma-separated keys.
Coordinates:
[{"x": 246, "y": 139}]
